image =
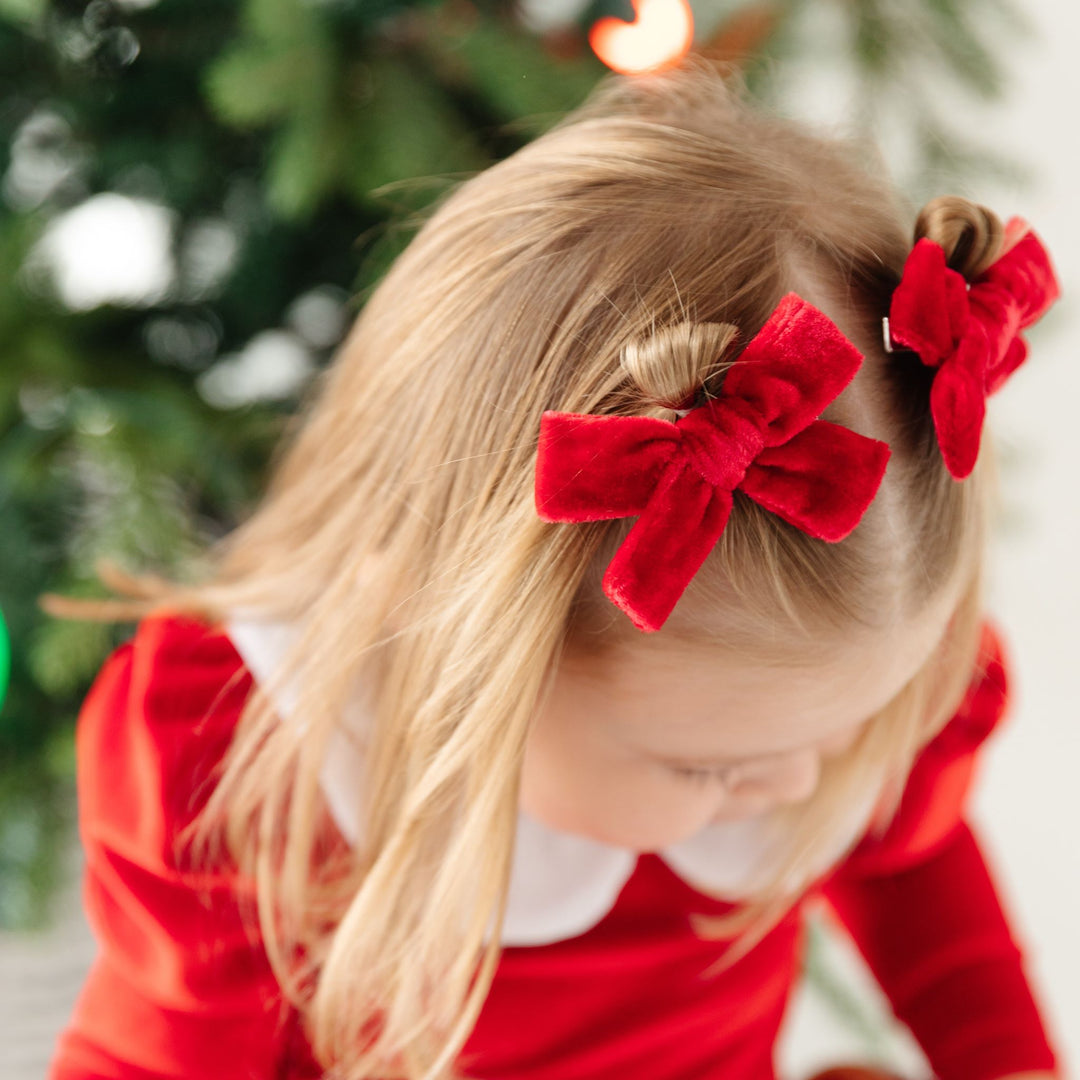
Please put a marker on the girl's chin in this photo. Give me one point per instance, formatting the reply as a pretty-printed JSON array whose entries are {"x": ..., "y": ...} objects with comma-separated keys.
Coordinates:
[{"x": 742, "y": 811}]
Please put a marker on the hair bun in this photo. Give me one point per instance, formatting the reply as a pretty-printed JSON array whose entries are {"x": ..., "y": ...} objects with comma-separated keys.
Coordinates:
[
  {"x": 971, "y": 235},
  {"x": 670, "y": 365}
]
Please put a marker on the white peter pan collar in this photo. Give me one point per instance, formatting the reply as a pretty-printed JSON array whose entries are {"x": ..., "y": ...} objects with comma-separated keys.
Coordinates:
[{"x": 561, "y": 883}]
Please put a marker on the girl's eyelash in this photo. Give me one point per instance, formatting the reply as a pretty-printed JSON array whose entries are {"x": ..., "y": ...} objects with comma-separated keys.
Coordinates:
[{"x": 698, "y": 775}]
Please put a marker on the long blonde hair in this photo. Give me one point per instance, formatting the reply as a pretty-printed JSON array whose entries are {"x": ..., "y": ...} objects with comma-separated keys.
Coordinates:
[{"x": 611, "y": 266}]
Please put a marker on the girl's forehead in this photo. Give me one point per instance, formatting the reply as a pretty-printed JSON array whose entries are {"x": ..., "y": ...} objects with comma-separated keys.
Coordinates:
[{"x": 711, "y": 701}]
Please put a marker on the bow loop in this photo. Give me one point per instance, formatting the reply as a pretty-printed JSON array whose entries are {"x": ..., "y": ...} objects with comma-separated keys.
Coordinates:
[
  {"x": 971, "y": 334},
  {"x": 795, "y": 365},
  {"x": 929, "y": 310},
  {"x": 761, "y": 435}
]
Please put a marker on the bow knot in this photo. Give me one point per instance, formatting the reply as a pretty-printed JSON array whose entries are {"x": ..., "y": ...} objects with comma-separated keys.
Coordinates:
[
  {"x": 970, "y": 333},
  {"x": 721, "y": 439}
]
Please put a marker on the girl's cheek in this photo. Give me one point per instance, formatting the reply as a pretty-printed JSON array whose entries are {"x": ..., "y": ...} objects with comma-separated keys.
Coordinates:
[
  {"x": 841, "y": 743},
  {"x": 802, "y": 781},
  {"x": 793, "y": 780},
  {"x": 647, "y": 810}
]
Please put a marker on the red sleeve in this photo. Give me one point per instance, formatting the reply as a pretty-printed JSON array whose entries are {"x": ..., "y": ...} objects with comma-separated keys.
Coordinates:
[
  {"x": 923, "y": 908},
  {"x": 180, "y": 986}
]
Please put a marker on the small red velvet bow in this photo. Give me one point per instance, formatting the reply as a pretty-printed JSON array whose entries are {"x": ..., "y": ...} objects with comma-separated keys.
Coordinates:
[
  {"x": 970, "y": 334},
  {"x": 759, "y": 436}
]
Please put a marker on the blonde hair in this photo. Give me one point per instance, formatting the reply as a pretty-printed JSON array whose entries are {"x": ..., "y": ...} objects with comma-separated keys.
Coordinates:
[{"x": 614, "y": 265}]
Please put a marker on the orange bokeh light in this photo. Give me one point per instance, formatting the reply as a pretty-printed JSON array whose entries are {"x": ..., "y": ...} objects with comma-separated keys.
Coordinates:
[{"x": 660, "y": 35}]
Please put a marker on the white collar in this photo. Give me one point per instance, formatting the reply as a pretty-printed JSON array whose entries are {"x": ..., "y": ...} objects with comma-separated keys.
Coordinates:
[{"x": 561, "y": 883}]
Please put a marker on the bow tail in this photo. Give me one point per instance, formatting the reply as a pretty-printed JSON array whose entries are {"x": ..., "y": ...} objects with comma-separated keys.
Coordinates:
[
  {"x": 666, "y": 546},
  {"x": 958, "y": 406},
  {"x": 821, "y": 481}
]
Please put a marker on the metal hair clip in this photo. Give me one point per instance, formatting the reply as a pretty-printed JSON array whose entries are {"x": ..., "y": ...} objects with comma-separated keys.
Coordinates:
[{"x": 886, "y": 336}]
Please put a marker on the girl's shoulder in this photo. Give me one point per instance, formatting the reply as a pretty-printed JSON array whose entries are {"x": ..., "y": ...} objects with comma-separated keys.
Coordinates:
[{"x": 153, "y": 726}]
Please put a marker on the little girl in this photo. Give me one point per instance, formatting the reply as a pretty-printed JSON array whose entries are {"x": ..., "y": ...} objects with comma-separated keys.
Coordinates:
[{"x": 618, "y": 595}]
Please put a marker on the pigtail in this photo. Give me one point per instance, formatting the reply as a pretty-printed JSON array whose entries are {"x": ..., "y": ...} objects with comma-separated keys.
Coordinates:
[
  {"x": 673, "y": 366},
  {"x": 971, "y": 235}
]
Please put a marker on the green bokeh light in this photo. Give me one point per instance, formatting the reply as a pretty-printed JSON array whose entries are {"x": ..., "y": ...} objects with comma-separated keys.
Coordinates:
[{"x": 5, "y": 658}]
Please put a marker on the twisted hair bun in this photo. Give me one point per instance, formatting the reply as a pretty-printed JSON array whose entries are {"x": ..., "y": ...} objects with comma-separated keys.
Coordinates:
[
  {"x": 971, "y": 235},
  {"x": 672, "y": 364}
]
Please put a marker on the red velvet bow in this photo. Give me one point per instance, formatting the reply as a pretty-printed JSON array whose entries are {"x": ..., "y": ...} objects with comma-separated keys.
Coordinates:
[
  {"x": 759, "y": 436},
  {"x": 971, "y": 335}
]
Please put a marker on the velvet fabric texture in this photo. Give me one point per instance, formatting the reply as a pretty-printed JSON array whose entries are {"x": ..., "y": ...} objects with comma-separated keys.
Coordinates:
[
  {"x": 970, "y": 334},
  {"x": 759, "y": 436}
]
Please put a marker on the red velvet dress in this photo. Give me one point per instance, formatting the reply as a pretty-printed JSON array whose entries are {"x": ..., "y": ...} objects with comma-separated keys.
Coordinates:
[{"x": 178, "y": 989}]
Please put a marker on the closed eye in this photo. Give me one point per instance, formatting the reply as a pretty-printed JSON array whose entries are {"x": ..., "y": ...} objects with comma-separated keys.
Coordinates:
[
  {"x": 700, "y": 776},
  {"x": 835, "y": 744}
]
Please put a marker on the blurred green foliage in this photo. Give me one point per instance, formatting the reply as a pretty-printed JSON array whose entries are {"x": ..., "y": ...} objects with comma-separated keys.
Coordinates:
[
  {"x": 284, "y": 144},
  {"x": 269, "y": 129}
]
